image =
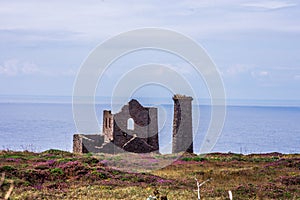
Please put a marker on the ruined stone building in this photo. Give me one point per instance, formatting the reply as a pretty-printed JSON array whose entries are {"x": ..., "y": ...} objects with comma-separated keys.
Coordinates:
[{"x": 135, "y": 129}]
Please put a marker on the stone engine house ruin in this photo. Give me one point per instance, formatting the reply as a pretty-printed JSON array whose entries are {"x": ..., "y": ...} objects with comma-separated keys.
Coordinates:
[{"x": 135, "y": 129}]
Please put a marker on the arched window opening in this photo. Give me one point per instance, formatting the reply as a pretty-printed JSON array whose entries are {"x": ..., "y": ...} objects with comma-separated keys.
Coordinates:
[{"x": 130, "y": 124}]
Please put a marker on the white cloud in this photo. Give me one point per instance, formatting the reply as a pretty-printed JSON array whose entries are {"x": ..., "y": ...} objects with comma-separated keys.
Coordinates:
[
  {"x": 29, "y": 68},
  {"x": 276, "y": 73},
  {"x": 92, "y": 19},
  {"x": 270, "y": 5},
  {"x": 297, "y": 77},
  {"x": 89, "y": 20},
  {"x": 69, "y": 72},
  {"x": 260, "y": 74},
  {"x": 9, "y": 68},
  {"x": 39, "y": 29},
  {"x": 15, "y": 67},
  {"x": 235, "y": 70},
  {"x": 263, "y": 73}
]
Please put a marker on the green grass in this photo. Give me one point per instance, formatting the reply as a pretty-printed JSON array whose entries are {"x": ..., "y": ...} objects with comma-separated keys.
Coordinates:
[{"x": 56, "y": 171}]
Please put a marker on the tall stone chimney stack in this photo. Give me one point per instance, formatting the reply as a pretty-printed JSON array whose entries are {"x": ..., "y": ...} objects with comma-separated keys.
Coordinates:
[{"x": 182, "y": 124}]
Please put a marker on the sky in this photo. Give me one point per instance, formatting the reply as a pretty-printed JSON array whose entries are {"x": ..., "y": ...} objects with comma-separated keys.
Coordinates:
[{"x": 255, "y": 44}]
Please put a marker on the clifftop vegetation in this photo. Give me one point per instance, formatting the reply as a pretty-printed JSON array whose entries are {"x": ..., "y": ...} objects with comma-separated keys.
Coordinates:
[{"x": 57, "y": 174}]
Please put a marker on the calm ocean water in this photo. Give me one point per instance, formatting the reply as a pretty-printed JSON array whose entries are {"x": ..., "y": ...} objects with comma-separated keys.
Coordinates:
[{"x": 248, "y": 129}]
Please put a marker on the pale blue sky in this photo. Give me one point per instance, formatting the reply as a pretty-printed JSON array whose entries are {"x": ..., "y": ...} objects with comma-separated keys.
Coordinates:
[{"x": 255, "y": 44}]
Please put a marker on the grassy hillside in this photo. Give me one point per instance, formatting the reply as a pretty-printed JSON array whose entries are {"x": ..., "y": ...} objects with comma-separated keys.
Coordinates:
[{"x": 62, "y": 175}]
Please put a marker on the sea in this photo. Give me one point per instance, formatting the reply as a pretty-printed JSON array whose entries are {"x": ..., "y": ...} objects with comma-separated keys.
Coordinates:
[{"x": 39, "y": 123}]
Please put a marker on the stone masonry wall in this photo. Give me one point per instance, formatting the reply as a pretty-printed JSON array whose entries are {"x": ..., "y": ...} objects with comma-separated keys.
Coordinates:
[
  {"x": 144, "y": 136},
  {"x": 182, "y": 124},
  {"x": 117, "y": 137},
  {"x": 108, "y": 124}
]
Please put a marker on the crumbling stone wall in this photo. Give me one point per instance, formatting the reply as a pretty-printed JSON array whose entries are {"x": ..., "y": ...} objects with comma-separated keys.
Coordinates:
[
  {"x": 118, "y": 137},
  {"x": 182, "y": 124},
  {"x": 93, "y": 143},
  {"x": 77, "y": 144},
  {"x": 87, "y": 143},
  {"x": 143, "y": 138},
  {"x": 108, "y": 125}
]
